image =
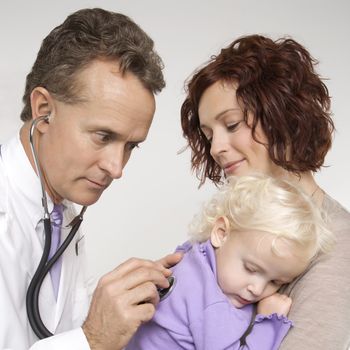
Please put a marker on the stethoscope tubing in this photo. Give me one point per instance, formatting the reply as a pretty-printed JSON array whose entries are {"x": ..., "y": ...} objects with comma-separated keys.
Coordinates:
[
  {"x": 30, "y": 301},
  {"x": 32, "y": 296}
]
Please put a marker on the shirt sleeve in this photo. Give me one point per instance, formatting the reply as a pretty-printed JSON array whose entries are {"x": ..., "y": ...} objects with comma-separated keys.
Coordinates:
[
  {"x": 71, "y": 340},
  {"x": 152, "y": 336},
  {"x": 268, "y": 332},
  {"x": 222, "y": 328}
]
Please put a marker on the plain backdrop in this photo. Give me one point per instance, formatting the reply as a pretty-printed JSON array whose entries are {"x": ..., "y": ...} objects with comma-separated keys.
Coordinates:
[{"x": 146, "y": 213}]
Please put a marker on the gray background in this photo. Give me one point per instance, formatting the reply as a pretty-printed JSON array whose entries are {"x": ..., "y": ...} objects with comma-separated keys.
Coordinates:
[{"x": 146, "y": 213}]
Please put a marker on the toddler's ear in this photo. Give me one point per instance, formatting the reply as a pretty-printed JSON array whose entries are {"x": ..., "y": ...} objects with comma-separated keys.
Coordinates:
[{"x": 220, "y": 232}]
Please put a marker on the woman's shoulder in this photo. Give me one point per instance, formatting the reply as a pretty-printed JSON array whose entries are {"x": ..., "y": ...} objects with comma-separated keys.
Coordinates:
[{"x": 337, "y": 216}]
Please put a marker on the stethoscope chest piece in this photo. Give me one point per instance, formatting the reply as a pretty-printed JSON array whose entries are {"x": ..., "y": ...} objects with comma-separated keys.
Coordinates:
[{"x": 164, "y": 292}]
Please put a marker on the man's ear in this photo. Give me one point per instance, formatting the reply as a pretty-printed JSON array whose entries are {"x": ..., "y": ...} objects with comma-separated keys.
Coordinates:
[
  {"x": 220, "y": 232},
  {"x": 41, "y": 104}
]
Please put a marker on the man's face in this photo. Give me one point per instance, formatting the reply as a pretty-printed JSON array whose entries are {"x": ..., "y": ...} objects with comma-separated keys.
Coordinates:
[{"x": 87, "y": 144}]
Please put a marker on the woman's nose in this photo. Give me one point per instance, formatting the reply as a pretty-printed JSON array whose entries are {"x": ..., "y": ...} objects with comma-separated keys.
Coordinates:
[{"x": 219, "y": 145}]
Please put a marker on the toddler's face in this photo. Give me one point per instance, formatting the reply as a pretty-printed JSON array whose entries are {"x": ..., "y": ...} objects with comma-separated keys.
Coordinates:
[{"x": 247, "y": 268}]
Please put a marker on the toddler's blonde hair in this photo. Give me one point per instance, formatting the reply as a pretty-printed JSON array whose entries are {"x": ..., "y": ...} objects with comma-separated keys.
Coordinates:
[{"x": 263, "y": 203}]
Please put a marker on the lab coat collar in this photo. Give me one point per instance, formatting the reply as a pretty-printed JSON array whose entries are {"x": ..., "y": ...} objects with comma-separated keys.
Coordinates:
[
  {"x": 22, "y": 176},
  {"x": 25, "y": 181}
]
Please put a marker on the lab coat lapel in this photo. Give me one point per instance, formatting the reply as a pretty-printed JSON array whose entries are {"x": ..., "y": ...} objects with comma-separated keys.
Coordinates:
[{"x": 47, "y": 304}]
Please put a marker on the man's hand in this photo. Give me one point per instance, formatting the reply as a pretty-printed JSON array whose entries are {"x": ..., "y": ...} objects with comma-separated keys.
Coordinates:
[
  {"x": 125, "y": 298},
  {"x": 275, "y": 303},
  {"x": 170, "y": 260}
]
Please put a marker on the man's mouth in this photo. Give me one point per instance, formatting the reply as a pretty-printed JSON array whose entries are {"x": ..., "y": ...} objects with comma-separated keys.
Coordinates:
[{"x": 98, "y": 184}]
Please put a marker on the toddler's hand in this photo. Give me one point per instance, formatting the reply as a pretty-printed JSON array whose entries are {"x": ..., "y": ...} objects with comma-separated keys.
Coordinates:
[{"x": 275, "y": 303}]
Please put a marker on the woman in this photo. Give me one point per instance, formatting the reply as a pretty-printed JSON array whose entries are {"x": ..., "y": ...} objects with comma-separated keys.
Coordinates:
[{"x": 260, "y": 106}]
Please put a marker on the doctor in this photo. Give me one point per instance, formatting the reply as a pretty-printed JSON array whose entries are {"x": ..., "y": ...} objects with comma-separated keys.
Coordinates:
[{"x": 94, "y": 78}]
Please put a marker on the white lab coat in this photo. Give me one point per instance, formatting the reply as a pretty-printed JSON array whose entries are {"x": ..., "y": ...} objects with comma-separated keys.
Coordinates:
[{"x": 21, "y": 244}]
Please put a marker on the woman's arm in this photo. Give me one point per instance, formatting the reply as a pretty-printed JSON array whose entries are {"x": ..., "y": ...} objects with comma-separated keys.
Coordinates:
[{"x": 321, "y": 298}]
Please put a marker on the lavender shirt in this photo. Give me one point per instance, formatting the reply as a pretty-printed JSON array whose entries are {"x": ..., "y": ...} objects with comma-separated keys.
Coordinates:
[{"x": 197, "y": 315}]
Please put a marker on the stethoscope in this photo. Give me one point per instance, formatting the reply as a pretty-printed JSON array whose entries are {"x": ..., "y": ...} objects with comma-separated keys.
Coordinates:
[{"x": 32, "y": 298}]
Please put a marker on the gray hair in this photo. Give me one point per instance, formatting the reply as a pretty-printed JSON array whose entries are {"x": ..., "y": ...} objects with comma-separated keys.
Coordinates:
[{"x": 84, "y": 36}]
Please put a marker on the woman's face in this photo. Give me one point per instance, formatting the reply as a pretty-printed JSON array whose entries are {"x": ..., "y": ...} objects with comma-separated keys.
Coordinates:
[{"x": 232, "y": 143}]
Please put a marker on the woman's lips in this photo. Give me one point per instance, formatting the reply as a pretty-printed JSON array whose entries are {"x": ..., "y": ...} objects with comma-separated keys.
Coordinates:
[{"x": 231, "y": 167}]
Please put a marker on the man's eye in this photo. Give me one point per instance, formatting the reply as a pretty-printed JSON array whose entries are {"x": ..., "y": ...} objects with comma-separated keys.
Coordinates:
[
  {"x": 133, "y": 145},
  {"x": 103, "y": 136}
]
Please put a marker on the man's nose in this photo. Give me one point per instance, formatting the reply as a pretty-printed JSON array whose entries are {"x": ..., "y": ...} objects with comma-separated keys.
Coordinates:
[{"x": 112, "y": 162}]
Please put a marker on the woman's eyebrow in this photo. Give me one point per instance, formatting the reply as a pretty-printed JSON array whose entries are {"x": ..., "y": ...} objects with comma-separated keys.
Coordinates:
[{"x": 221, "y": 114}]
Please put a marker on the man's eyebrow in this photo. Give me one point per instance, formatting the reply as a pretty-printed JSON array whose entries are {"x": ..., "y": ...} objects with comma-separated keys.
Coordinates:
[
  {"x": 115, "y": 134},
  {"x": 136, "y": 141},
  {"x": 109, "y": 131}
]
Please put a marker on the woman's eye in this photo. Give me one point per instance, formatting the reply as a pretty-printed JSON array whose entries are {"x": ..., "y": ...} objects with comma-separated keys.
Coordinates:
[{"x": 232, "y": 127}]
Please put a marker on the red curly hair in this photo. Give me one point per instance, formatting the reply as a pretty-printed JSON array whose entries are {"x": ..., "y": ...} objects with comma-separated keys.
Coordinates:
[{"x": 277, "y": 83}]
